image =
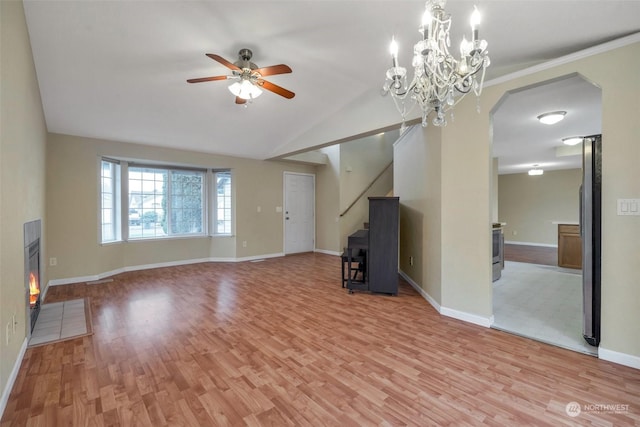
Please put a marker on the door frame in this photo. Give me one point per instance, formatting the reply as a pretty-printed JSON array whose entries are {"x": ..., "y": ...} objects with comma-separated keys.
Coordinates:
[{"x": 284, "y": 207}]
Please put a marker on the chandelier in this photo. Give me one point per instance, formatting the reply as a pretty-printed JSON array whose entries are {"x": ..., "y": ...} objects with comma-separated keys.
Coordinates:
[{"x": 440, "y": 81}]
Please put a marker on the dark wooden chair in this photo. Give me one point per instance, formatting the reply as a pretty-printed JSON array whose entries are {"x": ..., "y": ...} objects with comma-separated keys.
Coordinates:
[{"x": 353, "y": 265}]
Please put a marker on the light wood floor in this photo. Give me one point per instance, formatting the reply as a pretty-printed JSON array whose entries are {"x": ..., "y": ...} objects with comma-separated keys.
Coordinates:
[{"x": 281, "y": 343}]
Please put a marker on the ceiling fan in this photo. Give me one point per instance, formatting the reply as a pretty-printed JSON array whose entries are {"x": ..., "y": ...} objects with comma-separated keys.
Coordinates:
[{"x": 249, "y": 77}]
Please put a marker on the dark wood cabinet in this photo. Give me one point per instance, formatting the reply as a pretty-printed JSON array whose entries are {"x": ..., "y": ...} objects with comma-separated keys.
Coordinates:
[{"x": 384, "y": 216}]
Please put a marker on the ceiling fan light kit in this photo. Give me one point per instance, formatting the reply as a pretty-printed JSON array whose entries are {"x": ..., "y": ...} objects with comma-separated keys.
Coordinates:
[
  {"x": 249, "y": 80},
  {"x": 245, "y": 90},
  {"x": 440, "y": 81}
]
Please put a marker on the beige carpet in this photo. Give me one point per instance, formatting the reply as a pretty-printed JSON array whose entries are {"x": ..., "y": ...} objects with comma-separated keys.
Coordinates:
[{"x": 61, "y": 321}]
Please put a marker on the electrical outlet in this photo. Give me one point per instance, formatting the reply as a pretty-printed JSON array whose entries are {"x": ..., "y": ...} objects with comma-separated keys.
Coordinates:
[
  {"x": 244, "y": 243},
  {"x": 514, "y": 232},
  {"x": 53, "y": 261},
  {"x": 410, "y": 260}
]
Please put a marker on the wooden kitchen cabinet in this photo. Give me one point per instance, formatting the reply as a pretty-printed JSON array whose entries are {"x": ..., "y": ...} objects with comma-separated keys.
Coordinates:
[{"x": 569, "y": 246}]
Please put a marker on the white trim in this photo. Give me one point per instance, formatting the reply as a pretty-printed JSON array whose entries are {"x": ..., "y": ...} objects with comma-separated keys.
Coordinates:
[
  {"x": 327, "y": 252},
  {"x": 100, "y": 276},
  {"x": 619, "y": 358},
  {"x": 449, "y": 312},
  {"x": 12, "y": 377},
  {"x": 585, "y": 53},
  {"x": 402, "y": 137},
  {"x": 255, "y": 257},
  {"x": 421, "y": 291},
  {"x": 544, "y": 245},
  {"x": 468, "y": 317}
]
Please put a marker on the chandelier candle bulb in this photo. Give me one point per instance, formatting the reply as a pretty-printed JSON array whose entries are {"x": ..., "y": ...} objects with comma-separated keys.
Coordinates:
[
  {"x": 475, "y": 24},
  {"x": 393, "y": 48},
  {"x": 426, "y": 25}
]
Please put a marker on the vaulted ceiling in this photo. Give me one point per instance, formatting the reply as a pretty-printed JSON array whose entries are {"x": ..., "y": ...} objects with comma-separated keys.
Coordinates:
[{"x": 117, "y": 70}]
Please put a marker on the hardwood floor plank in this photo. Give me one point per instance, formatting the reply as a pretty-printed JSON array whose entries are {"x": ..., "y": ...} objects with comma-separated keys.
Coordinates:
[
  {"x": 531, "y": 254},
  {"x": 280, "y": 342}
]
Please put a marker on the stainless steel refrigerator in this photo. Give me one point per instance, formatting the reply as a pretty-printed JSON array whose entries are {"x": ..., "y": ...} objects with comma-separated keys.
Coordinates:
[{"x": 590, "y": 231}]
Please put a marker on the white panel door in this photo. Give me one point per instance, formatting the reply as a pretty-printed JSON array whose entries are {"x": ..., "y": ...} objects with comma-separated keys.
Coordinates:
[{"x": 299, "y": 212}]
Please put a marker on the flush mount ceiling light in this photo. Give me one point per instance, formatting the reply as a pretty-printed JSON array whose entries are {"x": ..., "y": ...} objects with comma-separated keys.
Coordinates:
[
  {"x": 552, "y": 117},
  {"x": 572, "y": 140},
  {"x": 536, "y": 171},
  {"x": 438, "y": 77}
]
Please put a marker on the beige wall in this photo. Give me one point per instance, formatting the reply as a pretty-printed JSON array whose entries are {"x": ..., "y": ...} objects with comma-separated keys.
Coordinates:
[
  {"x": 616, "y": 73},
  {"x": 72, "y": 200},
  {"x": 533, "y": 205},
  {"x": 22, "y": 177},
  {"x": 361, "y": 161},
  {"x": 466, "y": 198},
  {"x": 494, "y": 190},
  {"x": 328, "y": 202},
  {"x": 350, "y": 168},
  {"x": 418, "y": 184}
]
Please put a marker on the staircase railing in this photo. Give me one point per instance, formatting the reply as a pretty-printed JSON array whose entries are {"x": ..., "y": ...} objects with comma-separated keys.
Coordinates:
[{"x": 366, "y": 189}]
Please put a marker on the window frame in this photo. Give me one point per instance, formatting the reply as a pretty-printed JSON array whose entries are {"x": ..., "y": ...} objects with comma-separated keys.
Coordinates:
[
  {"x": 215, "y": 200},
  {"x": 116, "y": 206},
  {"x": 210, "y": 203},
  {"x": 170, "y": 171}
]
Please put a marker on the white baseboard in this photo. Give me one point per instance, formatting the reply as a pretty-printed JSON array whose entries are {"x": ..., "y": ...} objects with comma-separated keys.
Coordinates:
[
  {"x": 421, "y": 291},
  {"x": 456, "y": 314},
  {"x": 619, "y": 358},
  {"x": 544, "y": 245},
  {"x": 100, "y": 276},
  {"x": 467, "y": 317},
  {"x": 251, "y": 258},
  {"x": 324, "y": 251},
  {"x": 12, "y": 377}
]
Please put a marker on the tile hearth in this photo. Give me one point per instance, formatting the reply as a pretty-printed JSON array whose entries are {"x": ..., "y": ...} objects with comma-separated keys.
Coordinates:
[{"x": 59, "y": 321}]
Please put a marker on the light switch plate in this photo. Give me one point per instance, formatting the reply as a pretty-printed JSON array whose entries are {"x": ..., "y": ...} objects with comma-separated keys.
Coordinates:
[{"x": 628, "y": 206}]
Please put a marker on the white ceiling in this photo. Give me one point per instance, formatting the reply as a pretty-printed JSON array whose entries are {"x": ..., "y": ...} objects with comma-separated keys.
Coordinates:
[
  {"x": 117, "y": 70},
  {"x": 521, "y": 141}
]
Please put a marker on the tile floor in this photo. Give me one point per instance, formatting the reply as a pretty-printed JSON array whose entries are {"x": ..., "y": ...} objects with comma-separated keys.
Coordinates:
[
  {"x": 58, "y": 321},
  {"x": 541, "y": 302}
]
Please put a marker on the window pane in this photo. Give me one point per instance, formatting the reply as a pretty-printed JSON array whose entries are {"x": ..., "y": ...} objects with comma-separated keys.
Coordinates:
[
  {"x": 164, "y": 202},
  {"x": 187, "y": 202},
  {"x": 109, "y": 230},
  {"x": 223, "y": 203},
  {"x": 147, "y": 202}
]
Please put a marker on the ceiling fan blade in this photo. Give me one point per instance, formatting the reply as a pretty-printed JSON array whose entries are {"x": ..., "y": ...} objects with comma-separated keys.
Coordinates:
[
  {"x": 240, "y": 100},
  {"x": 276, "y": 89},
  {"x": 274, "y": 69},
  {"x": 207, "y": 79},
  {"x": 223, "y": 61}
]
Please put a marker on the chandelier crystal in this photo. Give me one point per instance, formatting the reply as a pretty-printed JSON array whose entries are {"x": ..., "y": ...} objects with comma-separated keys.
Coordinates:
[{"x": 439, "y": 81}]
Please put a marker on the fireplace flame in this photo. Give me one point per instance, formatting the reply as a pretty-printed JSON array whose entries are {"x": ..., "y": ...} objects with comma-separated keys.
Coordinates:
[{"x": 34, "y": 289}]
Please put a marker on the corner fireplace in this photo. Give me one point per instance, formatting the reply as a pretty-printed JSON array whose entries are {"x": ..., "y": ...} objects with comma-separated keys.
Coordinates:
[{"x": 32, "y": 232}]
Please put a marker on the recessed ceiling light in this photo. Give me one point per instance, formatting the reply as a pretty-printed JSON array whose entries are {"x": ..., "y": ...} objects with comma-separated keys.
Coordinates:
[
  {"x": 536, "y": 171},
  {"x": 552, "y": 117},
  {"x": 572, "y": 140}
]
